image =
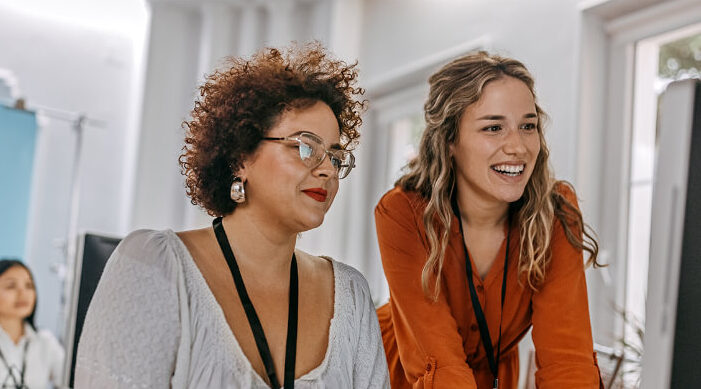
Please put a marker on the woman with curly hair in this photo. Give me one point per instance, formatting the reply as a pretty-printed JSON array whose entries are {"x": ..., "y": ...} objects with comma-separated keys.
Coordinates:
[
  {"x": 479, "y": 242},
  {"x": 236, "y": 305}
]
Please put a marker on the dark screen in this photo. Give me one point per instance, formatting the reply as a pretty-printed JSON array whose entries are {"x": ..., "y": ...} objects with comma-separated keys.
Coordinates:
[
  {"x": 687, "y": 337},
  {"x": 96, "y": 251}
]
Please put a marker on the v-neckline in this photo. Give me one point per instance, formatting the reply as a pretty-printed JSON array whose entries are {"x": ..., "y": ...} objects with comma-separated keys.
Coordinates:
[
  {"x": 221, "y": 318},
  {"x": 497, "y": 267}
]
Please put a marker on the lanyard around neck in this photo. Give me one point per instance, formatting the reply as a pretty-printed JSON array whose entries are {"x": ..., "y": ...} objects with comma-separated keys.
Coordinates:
[
  {"x": 19, "y": 385},
  {"x": 254, "y": 322},
  {"x": 477, "y": 307}
]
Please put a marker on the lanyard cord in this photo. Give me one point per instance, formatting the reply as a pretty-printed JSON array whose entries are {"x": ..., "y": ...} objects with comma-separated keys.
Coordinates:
[
  {"x": 477, "y": 307},
  {"x": 254, "y": 321},
  {"x": 24, "y": 366}
]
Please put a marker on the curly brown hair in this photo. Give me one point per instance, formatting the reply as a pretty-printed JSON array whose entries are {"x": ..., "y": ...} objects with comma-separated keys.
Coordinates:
[{"x": 240, "y": 104}]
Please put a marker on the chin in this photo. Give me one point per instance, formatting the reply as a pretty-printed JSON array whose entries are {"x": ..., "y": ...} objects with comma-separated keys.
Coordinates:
[
  {"x": 512, "y": 196},
  {"x": 311, "y": 223}
]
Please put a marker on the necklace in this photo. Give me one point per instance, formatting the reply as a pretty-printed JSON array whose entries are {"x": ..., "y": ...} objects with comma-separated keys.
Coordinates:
[{"x": 254, "y": 321}]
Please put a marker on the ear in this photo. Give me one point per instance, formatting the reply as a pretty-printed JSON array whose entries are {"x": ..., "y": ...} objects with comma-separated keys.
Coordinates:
[
  {"x": 241, "y": 172},
  {"x": 245, "y": 166}
]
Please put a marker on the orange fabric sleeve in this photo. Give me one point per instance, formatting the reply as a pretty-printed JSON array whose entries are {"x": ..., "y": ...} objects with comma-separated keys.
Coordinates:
[
  {"x": 561, "y": 327},
  {"x": 429, "y": 344}
]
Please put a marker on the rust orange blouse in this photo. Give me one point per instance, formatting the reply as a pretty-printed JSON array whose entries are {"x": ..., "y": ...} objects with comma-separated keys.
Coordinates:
[{"x": 438, "y": 345}]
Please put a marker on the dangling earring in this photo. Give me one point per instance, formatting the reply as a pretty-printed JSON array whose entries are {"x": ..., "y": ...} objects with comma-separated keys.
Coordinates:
[{"x": 238, "y": 192}]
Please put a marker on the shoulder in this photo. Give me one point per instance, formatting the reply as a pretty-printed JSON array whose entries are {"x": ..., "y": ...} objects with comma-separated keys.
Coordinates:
[
  {"x": 148, "y": 248},
  {"x": 565, "y": 190},
  {"x": 349, "y": 285},
  {"x": 144, "y": 243},
  {"x": 344, "y": 275},
  {"x": 339, "y": 269},
  {"x": 350, "y": 273},
  {"x": 314, "y": 261},
  {"x": 47, "y": 338},
  {"x": 51, "y": 349},
  {"x": 566, "y": 255},
  {"x": 353, "y": 286},
  {"x": 318, "y": 269},
  {"x": 399, "y": 196},
  {"x": 566, "y": 210},
  {"x": 399, "y": 204},
  {"x": 145, "y": 260}
]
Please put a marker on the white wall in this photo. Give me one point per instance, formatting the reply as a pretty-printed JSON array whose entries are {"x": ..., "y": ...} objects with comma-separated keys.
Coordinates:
[
  {"x": 540, "y": 33},
  {"x": 64, "y": 65}
]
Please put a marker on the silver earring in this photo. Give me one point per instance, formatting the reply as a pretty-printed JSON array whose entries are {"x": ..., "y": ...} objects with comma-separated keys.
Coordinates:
[{"x": 238, "y": 192}]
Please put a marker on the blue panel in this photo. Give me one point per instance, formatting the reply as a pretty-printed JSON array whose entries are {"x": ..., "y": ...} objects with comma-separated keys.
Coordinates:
[{"x": 18, "y": 132}]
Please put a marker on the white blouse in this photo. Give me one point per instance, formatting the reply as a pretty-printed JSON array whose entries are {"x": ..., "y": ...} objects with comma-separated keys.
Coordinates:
[
  {"x": 154, "y": 323},
  {"x": 44, "y": 359}
]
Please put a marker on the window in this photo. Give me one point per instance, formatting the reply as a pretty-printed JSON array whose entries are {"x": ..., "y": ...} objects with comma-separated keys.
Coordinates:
[
  {"x": 405, "y": 133},
  {"x": 630, "y": 52}
]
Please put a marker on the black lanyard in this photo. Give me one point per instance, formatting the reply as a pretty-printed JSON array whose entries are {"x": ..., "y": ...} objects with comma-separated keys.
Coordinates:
[
  {"x": 477, "y": 307},
  {"x": 19, "y": 385},
  {"x": 258, "y": 334}
]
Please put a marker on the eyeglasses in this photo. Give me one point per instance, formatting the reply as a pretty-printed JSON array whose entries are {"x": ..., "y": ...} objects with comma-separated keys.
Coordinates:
[{"x": 312, "y": 152}]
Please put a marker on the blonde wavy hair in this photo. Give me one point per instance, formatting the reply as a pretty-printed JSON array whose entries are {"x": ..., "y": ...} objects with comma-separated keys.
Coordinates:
[{"x": 453, "y": 88}]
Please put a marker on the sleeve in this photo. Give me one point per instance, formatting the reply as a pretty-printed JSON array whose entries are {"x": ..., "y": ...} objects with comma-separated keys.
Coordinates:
[
  {"x": 370, "y": 365},
  {"x": 56, "y": 356},
  {"x": 429, "y": 344},
  {"x": 561, "y": 327},
  {"x": 131, "y": 331}
]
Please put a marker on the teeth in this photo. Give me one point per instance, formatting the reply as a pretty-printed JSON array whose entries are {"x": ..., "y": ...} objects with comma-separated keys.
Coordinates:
[{"x": 511, "y": 170}]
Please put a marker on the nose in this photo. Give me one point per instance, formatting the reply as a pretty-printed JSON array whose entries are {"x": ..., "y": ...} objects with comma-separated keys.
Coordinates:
[
  {"x": 325, "y": 168},
  {"x": 514, "y": 143},
  {"x": 26, "y": 292}
]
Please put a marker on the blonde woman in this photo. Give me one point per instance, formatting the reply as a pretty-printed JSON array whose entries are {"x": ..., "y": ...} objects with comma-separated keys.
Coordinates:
[{"x": 480, "y": 243}]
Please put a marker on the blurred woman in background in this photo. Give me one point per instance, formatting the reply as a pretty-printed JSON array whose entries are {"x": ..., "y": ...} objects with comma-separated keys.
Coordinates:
[{"x": 29, "y": 358}]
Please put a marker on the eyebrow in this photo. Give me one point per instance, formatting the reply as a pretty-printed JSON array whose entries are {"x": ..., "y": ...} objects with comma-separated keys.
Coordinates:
[{"x": 530, "y": 115}]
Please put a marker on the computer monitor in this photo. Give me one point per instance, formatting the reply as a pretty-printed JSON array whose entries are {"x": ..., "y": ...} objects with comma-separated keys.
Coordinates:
[
  {"x": 673, "y": 312},
  {"x": 93, "y": 252}
]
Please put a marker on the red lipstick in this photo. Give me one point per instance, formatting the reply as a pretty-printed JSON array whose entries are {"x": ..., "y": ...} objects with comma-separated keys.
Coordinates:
[{"x": 317, "y": 194}]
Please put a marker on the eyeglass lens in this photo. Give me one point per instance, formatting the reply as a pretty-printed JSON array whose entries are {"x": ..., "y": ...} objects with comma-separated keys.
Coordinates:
[{"x": 312, "y": 153}]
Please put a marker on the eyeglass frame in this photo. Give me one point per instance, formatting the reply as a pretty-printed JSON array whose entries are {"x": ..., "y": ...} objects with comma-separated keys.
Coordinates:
[{"x": 296, "y": 138}]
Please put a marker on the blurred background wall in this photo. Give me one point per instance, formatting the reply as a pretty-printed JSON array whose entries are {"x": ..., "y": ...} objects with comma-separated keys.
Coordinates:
[
  {"x": 130, "y": 70},
  {"x": 68, "y": 61}
]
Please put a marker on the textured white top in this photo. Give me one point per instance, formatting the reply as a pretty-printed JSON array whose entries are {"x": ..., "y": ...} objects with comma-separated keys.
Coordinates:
[
  {"x": 154, "y": 323},
  {"x": 44, "y": 359}
]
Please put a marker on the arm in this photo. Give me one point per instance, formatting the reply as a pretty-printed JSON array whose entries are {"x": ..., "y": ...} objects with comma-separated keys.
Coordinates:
[
  {"x": 131, "y": 330},
  {"x": 370, "y": 365},
  {"x": 561, "y": 328},
  {"x": 55, "y": 354},
  {"x": 430, "y": 347}
]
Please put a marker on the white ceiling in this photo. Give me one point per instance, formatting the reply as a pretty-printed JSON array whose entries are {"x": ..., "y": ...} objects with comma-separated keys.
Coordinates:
[{"x": 126, "y": 17}]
